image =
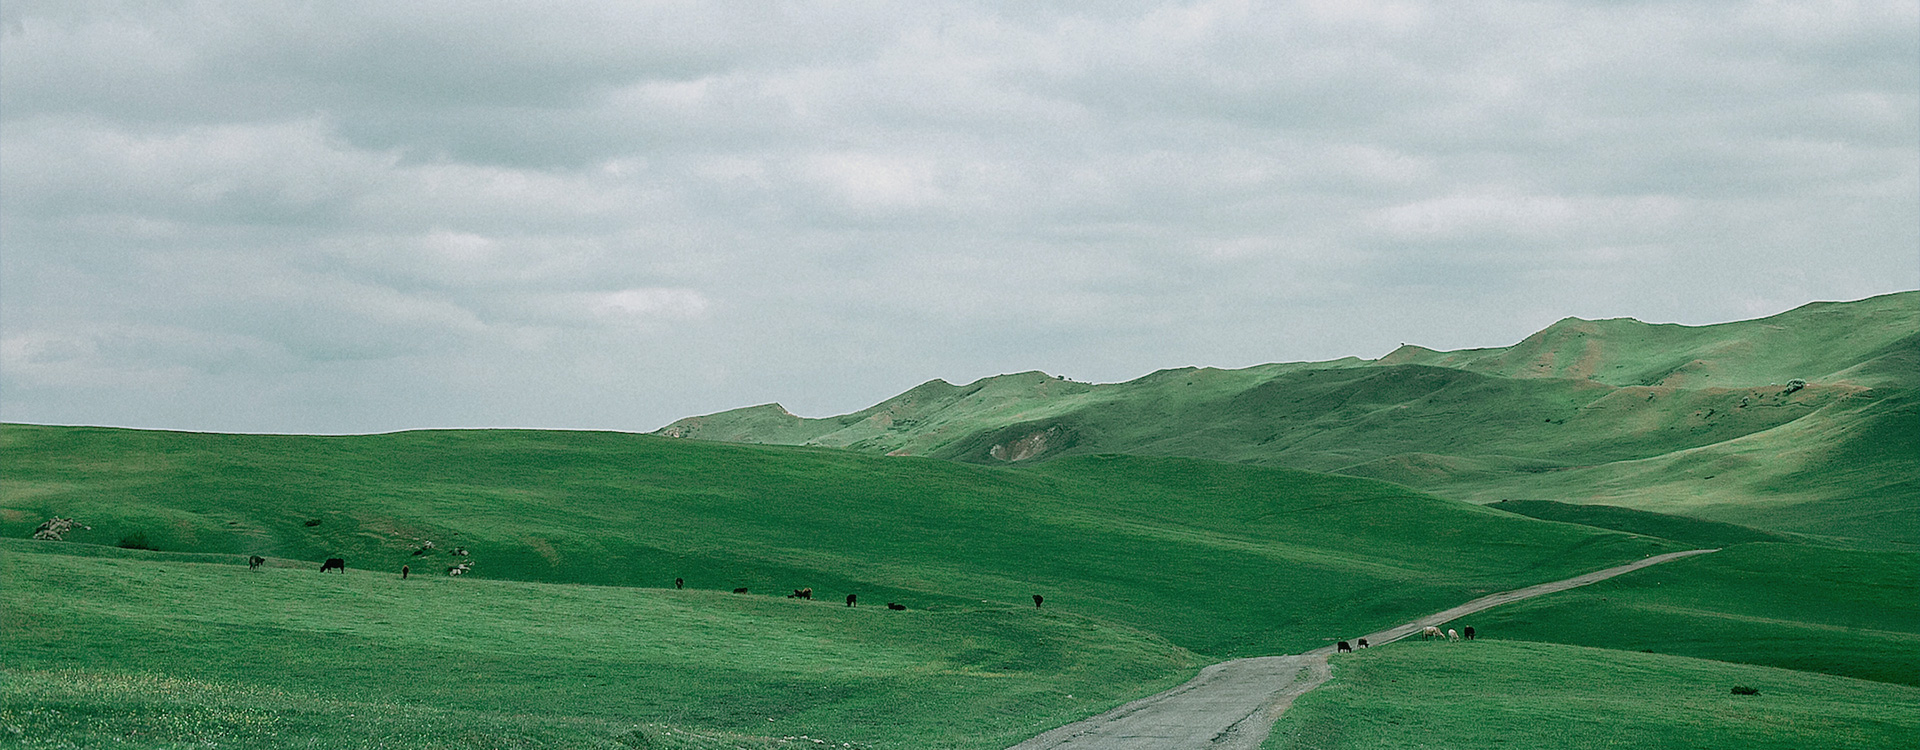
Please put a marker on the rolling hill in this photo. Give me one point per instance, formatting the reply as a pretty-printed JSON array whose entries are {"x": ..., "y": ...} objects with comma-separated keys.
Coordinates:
[
  {"x": 570, "y": 632},
  {"x": 1804, "y": 422},
  {"x": 1221, "y": 559}
]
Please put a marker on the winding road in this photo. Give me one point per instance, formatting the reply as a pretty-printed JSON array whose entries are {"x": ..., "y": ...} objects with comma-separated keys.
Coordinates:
[{"x": 1232, "y": 705}]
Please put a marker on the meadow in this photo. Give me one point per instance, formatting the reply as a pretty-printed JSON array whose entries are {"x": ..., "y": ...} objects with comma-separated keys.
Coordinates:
[
  {"x": 120, "y": 650},
  {"x": 1220, "y": 559},
  {"x": 1844, "y": 612},
  {"x": 1505, "y": 694}
]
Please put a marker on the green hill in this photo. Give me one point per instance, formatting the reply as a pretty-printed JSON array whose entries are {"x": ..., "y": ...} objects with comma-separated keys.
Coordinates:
[
  {"x": 1692, "y": 532},
  {"x": 1805, "y": 420},
  {"x": 155, "y": 651},
  {"x": 569, "y": 633},
  {"x": 1853, "y": 613},
  {"x": 1501, "y": 694},
  {"x": 1221, "y": 559}
]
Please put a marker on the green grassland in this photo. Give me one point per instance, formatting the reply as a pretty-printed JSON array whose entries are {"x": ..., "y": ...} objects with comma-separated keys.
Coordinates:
[
  {"x": 1691, "y": 420},
  {"x": 144, "y": 651},
  {"x": 568, "y": 631},
  {"x": 1503, "y": 694},
  {"x": 1845, "y": 612},
  {"x": 1221, "y": 559},
  {"x": 1690, "y": 531}
]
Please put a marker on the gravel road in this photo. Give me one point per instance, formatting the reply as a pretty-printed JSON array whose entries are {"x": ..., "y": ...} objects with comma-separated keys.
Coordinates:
[{"x": 1232, "y": 705}]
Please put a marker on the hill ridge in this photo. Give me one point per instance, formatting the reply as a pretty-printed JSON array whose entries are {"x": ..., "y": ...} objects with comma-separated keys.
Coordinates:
[{"x": 1577, "y": 394}]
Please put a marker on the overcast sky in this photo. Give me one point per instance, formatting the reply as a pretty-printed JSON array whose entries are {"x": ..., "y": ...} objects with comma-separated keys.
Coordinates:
[{"x": 340, "y": 216}]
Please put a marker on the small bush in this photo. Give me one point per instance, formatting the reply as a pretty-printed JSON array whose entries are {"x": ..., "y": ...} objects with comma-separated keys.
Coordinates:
[
  {"x": 1744, "y": 690},
  {"x": 136, "y": 540}
]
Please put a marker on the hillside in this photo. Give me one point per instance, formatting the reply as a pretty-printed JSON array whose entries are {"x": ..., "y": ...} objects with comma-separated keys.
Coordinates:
[
  {"x": 1221, "y": 559},
  {"x": 1803, "y": 422},
  {"x": 1502, "y": 694}
]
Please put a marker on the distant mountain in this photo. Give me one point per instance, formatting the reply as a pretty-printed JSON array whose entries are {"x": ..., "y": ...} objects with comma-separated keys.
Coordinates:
[{"x": 1807, "y": 421}]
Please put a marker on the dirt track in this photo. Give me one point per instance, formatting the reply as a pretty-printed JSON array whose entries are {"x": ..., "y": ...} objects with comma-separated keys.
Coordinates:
[{"x": 1232, "y": 705}]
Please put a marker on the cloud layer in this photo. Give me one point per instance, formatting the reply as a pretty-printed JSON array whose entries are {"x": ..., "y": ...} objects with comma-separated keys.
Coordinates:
[{"x": 359, "y": 216}]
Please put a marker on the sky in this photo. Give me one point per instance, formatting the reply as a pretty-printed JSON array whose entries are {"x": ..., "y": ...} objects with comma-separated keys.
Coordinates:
[{"x": 361, "y": 216}]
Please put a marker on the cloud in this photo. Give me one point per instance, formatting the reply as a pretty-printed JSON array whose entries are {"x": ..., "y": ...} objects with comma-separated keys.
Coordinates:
[{"x": 363, "y": 215}]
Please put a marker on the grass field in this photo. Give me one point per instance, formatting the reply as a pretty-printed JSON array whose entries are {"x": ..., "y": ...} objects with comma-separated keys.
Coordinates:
[
  {"x": 1517, "y": 694},
  {"x": 1221, "y": 559},
  {"x": 116, "y": 650},
  {"x": 1845, "y": 612},
  {"x": 569, "y": 633}
]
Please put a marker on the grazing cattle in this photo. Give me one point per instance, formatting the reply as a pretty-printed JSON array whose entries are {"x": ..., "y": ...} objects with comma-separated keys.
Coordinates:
[
  {"x": 254, "y": 563},
  {"x": 850, "y": 599},
  {"x": 334, "y": 563},
  {"x": 806, "y": 593},
  {"x": 1430, "y": 632},
  {"x": 896, "y": 606},
  {"x": 404, "y": 570},
  {"x": 740, "y": 590},
  {"x": 1468, "y": 632},
  {"x": 1343, "y": 648},
  {"x": 679, "y": 583},
  {"x": 1363, "y": 643},
  {"x": 460, "y": 569},
  {"x": 1037, "y": 599},
  {"x": 459, "y": 552},
  {"x": 1453, "y": 635}
]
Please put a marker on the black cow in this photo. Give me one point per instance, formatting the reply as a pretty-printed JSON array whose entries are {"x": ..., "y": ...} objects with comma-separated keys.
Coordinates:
[
  {"x": 896, "y": 606},
  {"x": 1037, "y": 599},
  {"x": 334, "y": 563},
  {"x": 679, "y": 583},
  {"x": 1468, "y": 632},
  {"x": 254, "y": 563},
  {"x": 1363, "y": 643},
  {"x": 740, "y": 590},
  {"x": 1343, "y": 648},
  {"x": 404, "y": 570},
  {"x": 850, "y": 599}
]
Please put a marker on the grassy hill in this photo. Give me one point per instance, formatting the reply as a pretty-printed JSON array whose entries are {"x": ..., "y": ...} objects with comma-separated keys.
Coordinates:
[
  {"x": 154, "y": 650},
  {"x": 1501, "y": 694},
  {"x": 1220, "y": 559},
  {"x": 1805, "y": 421},
  {"x": 1853, "y": 613},
  {"x": 569, "y": 634}
]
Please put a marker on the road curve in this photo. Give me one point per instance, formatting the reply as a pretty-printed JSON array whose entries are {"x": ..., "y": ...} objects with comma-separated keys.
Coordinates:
[{"x": 1232, "y": 705}]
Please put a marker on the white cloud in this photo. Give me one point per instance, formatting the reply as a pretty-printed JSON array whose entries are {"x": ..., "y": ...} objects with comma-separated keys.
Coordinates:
[{"x": 419, "y": 213}]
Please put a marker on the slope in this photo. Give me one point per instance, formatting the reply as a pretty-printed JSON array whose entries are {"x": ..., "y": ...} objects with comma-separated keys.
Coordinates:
[
  {"x": 1614, "y": 404},
  {"x": 1218, "y": 558},
  {"x": 1497, "y": 694},
  {"x": 153, "y": 650}
]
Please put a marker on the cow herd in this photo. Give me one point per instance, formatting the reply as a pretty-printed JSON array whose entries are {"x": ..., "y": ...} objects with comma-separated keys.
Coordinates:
[
  {"x": 1427, "y": 633},
  {"x": 339, "y": 564}
]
